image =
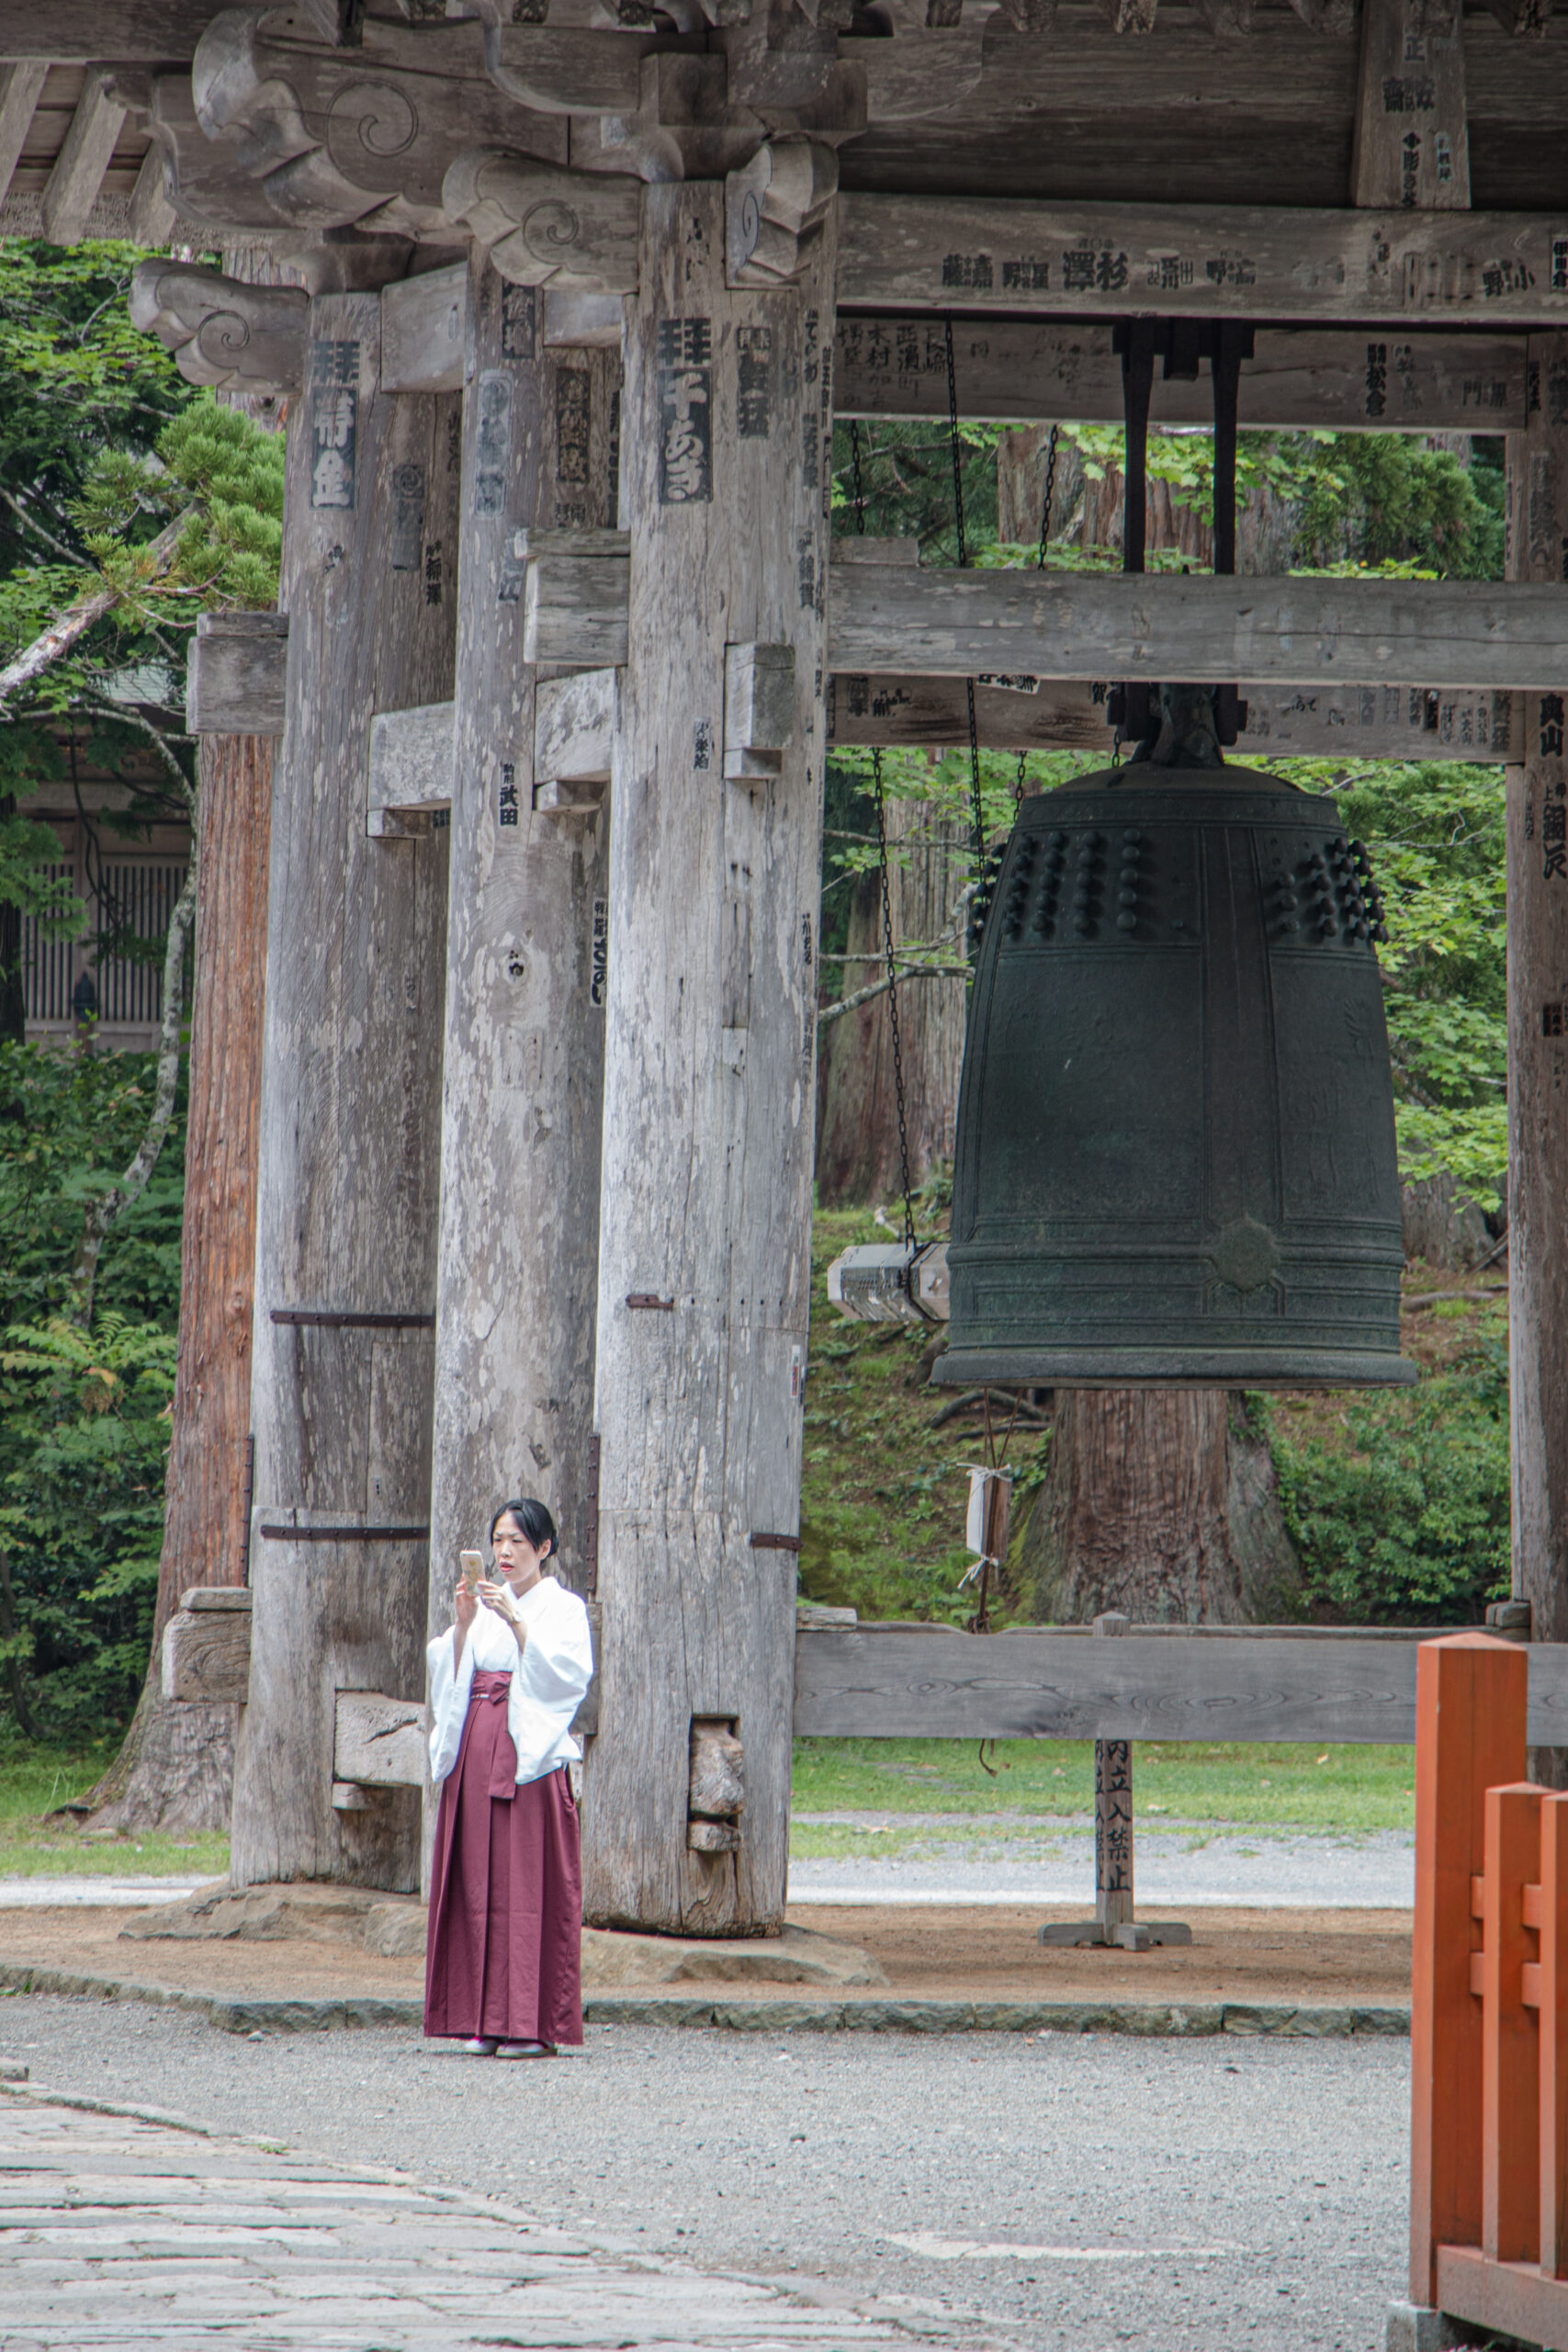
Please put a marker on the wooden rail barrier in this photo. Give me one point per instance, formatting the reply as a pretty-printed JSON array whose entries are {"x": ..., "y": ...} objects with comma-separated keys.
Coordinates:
[
  {"x": 1489, "y": 2009},
  {"x": 1158, "y": 1682}
]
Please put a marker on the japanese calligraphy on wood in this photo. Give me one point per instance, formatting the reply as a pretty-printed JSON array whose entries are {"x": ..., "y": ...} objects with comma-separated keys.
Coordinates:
[{"x": 1196, "y": 261}]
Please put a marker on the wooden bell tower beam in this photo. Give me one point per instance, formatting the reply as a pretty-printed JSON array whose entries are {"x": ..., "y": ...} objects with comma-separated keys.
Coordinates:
[{"x": 710, "y": 1068}]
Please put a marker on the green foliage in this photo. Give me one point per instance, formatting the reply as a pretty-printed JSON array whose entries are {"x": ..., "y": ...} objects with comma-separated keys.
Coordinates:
[
  {"x": 1400, "y": 1512},
  {"x": 213, "y": 466},
  {"x": 103, "y": 445},
  {"x": 78, "y": 376},
  {"x": 68, "y": 1122},
  {"x": 1435, "y": 837},
  {"x": 84, "y": 1423},
  {"x": 85, "y": 1428}
]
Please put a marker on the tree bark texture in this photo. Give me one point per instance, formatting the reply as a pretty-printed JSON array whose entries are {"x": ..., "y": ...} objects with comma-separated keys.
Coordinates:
[
  {"x": 1537, "y": 1047},
  {"x": 857, "y": 1134},
  {"x": 1161, "y": 1502},
  {"x": 176, "y": 1767},
  {"x": 351, "y": 1091},
  {"x": 523, "y": 1075},
  {"x": 1094, "y": 510},
  {"x": 709, "y": 1078}
]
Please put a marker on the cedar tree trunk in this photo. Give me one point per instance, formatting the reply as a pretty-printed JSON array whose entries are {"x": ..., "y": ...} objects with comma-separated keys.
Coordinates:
[
  {"x": 1161, "y": 1502},
  {"x": 857, "y": 1125},
  {"x": 176, "y": 1767}
]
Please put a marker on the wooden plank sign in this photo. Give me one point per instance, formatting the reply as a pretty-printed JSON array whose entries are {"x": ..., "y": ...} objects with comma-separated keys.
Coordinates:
[
  {"x": 945, "y": 253},
  {"x": 1418, "y": 380}
]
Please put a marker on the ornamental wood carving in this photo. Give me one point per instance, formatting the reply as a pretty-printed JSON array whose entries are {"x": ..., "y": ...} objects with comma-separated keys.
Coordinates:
[
  {"x": 548, "y": 228},
  {"x": 238, "y": 337},
  {"x": 364, "y": 136},
  {"x": 774, "y": 208}
]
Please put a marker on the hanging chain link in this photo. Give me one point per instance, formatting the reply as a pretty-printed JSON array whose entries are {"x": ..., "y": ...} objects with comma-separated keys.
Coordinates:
[
  {"x": 977, "y": 803},
  {"x": 859, "y": 494},
  {"x": 1040, "y": 560}
]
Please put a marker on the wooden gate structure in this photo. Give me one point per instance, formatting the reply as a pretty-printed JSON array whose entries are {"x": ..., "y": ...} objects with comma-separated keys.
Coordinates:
[{"x": 579, "y": 288}]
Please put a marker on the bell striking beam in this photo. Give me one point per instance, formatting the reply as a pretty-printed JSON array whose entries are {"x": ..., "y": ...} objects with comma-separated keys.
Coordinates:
[
  {"x": 1468, "y": 635},
  {"x": 1289, "y": 631}
]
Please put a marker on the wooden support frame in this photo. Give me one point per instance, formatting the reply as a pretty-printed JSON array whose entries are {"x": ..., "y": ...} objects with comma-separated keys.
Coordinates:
[
  {"x": 1182, "y": 1682},
  {"x": 343, "y": 1352},
  {"x": 1415, "y": 380},
  {"x": 709, "y": 1074},
  {"x": 1373, "y": 268},
  {"x": 523, "y": 1075}
]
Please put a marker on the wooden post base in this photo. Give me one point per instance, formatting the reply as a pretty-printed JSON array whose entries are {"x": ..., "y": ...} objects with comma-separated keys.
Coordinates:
[{"x": 1133, "y": 1935}]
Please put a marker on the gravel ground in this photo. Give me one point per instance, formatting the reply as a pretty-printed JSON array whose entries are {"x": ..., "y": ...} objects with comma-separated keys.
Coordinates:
[
  {"x": 1090, "y": 2194},
  {"x": 1174, "y": 1866}
]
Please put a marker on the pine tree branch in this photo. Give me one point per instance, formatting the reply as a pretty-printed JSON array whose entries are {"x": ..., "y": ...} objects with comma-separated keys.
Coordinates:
[{"x": 75, "y": 623}]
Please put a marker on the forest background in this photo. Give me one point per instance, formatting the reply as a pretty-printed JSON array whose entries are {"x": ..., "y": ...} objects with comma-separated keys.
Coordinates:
[{"x": 129, "y": 503}]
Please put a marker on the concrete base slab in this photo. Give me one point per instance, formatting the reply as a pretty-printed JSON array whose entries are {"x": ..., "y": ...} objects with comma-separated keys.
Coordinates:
[
  {"x": 1414, "y": 2327},
  {"x": 393, "y": 1928}
]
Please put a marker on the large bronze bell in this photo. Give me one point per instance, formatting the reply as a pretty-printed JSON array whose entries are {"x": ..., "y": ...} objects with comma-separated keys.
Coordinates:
[{"x": 1176, "y": 1160}]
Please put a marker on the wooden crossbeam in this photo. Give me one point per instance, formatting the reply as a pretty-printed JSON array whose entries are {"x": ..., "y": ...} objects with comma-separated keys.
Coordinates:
[
  {"x": 1176, "y": 1683},
  {"x": 1289, "y": 631},
  {"x": 78, "y": 174},
  {"x": 20, "y": 88},
  {"x": 77, "y": 33},
  {"x": 1389, "y": 722},
  {"x": 947, "y": 253},
  {"x": 1421, "y": 380}
]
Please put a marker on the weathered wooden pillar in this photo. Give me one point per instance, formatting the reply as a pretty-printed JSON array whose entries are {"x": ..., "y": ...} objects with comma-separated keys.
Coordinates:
[
  {"x": 705, "y": 1240},
  {"x": 351, "y": 1079},
  {"x": 1538, "y": 1043},
  {"x": 523, "y": 1075}
]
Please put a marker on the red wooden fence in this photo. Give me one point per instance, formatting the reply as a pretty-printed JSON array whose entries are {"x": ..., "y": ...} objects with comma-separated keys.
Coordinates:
[{"x": 1489, "y": 2011}]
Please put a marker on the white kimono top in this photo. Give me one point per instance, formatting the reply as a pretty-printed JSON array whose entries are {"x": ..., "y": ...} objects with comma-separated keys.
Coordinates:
[{"x": 547, "y": 1681}]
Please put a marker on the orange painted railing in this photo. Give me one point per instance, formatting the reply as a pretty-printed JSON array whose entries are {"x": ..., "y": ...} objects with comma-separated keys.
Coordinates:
[{"x": 1489, "y": 2008}]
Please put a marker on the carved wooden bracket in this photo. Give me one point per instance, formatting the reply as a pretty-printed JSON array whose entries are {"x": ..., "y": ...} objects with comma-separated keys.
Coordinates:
[
  {"x": 548, "y": 228},
  {"x": 222, "y": 331},
  {"x": 773, "y": 210},
  {"x": 363, "y": 136}
]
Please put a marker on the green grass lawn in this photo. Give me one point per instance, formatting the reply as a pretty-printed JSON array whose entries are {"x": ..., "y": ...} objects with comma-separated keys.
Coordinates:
[
  {"x": 1263, "y": 1788},
  {"x": 1041, "y": 1782},
  {"x": 34, "y": 1780}
]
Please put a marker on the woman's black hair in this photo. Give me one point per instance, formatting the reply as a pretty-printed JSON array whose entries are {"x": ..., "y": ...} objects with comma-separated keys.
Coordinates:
[{"x": 533, "y": 1520}]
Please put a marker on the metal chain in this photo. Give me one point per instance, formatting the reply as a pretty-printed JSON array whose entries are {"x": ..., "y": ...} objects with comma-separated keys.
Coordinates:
[
  {"x": 859, "y": 494},
  {"x": 977, "y": 803},
  {"x": 1040, "y": 560}
]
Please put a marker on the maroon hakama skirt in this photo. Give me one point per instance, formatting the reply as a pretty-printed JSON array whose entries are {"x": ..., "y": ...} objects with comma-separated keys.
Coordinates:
[{"x": 503, "y": 1954}]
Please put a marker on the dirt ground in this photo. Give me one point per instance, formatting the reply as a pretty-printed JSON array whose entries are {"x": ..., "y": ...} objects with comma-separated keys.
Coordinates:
[{"x": 958, "y": 1952}]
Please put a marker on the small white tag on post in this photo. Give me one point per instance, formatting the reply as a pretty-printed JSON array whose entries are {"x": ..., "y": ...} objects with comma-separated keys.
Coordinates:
[{"x": 991, "y": 1507}]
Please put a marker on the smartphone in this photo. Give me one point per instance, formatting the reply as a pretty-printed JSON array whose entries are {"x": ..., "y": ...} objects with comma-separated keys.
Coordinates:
[{"x": 473, "y": 1568}]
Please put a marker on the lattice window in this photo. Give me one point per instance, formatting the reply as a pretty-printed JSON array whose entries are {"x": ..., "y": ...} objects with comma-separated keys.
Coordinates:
[
  {"x": 136, "y": 894},
  {"x": 47, "y": 963}
]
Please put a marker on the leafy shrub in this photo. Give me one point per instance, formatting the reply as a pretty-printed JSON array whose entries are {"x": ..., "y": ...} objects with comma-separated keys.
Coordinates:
[
  {"x": 1399, "y": 1512},
  {"x": 86, "y": 1419}
]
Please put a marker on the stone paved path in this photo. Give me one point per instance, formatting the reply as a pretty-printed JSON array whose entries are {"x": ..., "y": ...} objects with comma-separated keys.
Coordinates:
[{"x": 120, "y": 2232}]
